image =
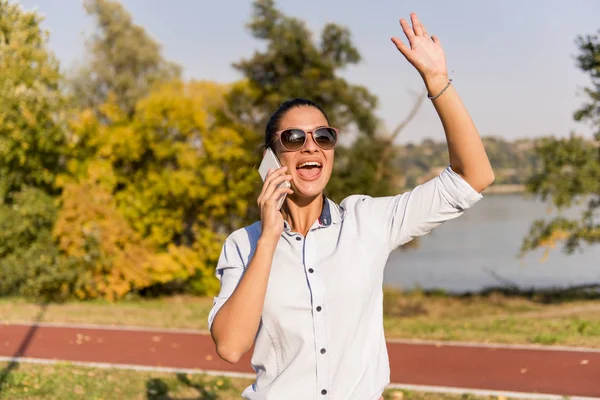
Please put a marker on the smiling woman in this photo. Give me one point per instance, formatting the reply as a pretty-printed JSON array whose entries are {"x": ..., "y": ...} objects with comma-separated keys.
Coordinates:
[
  {"x": 305, "y": 283},
  {"x": 295, "y": 139},
  {"x": 305, "y": 146}
]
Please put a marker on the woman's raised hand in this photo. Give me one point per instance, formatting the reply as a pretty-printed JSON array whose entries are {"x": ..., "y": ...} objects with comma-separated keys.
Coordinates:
[{"x": 425, "y": 52}]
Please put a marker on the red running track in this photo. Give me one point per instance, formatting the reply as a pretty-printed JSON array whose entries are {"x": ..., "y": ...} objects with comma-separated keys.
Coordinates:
[{"x": 562, "y": 372}]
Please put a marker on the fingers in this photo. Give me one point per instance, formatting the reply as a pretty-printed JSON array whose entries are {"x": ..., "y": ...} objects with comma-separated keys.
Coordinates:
[
  {"x": 418, "y": 27},
  {"x": 274, "y": 184},
  {"x": 408, "y": 31},
  {"x": 277, "y": 193},
  {"x": 274, "y": 178},
  {"x": 272, "y": 174},
  {"x": 401, "y": 46}
]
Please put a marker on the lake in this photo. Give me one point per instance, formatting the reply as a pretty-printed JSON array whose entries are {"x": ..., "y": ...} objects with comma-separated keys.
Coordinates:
[{"x": 480, "y": 249}]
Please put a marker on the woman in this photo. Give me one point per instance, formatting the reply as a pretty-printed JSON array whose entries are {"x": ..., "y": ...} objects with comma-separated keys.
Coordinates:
[{"x": 305, "y": 284}]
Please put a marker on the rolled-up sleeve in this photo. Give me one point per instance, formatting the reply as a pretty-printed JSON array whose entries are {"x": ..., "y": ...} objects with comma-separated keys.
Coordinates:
[
  {"x": 229, "y": 271},
  {"x": 422, "y": 209}
]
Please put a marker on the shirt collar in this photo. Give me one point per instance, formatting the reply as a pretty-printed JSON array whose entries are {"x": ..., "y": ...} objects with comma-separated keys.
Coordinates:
[{"x": 330, "y": 214}]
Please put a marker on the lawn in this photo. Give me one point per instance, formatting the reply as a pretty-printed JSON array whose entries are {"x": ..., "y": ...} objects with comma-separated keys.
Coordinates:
[
  {"x": 66, "y": 382},
  {"x": 493, "y": 318}
]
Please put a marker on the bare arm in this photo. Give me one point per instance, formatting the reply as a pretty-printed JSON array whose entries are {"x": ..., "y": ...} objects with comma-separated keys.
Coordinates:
[
  {"x": 236, "y": 323},
  {"x": 467, "y": 155}
]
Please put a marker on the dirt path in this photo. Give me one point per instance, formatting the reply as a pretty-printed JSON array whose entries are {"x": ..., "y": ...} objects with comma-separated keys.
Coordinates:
[{"x": 562, "y": 372}]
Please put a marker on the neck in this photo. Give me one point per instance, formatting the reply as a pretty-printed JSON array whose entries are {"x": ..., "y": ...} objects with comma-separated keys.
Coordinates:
[{"x": 301, "y": 213}]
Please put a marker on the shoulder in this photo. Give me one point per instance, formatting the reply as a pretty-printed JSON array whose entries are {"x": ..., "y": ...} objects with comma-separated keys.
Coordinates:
[
  {"x": 355, "y": 202},
  {"x": 240, "y": 244},
  {"x": 245, "y": 236},
  {"x": 352, "y": 200},
  {"x": 364, "y": 204}
]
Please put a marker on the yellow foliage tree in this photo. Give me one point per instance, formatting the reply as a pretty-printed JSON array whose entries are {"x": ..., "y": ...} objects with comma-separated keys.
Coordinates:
[
  {"x": 112, "y": 257},
  {"x": 157, "y": 191}
]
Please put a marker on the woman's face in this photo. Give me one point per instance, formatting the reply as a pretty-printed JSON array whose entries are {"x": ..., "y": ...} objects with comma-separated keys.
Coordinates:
[{"x": 307, "y": 181}]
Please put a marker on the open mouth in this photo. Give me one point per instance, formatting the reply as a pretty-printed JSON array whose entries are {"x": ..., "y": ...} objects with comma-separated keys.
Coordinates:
[{"x": 309, "y": 170}]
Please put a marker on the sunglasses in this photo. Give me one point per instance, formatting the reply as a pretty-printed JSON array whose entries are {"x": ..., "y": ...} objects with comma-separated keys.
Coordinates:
[{"x": 294, "y": 139}]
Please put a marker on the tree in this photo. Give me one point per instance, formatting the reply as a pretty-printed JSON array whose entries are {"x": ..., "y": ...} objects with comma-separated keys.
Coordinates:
[
  {"x": 165, "y": 183},
  {"x": 570, "y": 170},
  {"x": 123, "y": 60},
  {"x": 31, "y": 129},
  {"x": 32, "y": 154},
  {"x": 356, "y": 168},
  {"x": 293, "y": 66}
]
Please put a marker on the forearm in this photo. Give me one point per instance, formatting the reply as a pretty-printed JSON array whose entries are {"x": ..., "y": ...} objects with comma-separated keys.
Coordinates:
[
  {"x": 467, "y": 154},
  {"x": 235, "y": 325}
]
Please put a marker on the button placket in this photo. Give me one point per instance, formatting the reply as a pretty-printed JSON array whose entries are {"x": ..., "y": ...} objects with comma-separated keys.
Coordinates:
[{"x": 317, "y": 286}]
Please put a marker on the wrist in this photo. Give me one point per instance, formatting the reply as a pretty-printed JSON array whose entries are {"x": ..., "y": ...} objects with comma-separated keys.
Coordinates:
[
  {"x": 268, "y": 241},
  {"x": 435, "y": 83}
]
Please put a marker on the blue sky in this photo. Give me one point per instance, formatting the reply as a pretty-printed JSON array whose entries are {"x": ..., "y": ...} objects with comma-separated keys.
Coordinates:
[{"x": 512, "y": 60}]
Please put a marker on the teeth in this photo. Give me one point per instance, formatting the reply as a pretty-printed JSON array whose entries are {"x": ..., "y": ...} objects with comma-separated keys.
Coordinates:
[{"x": 310, "y": 164}]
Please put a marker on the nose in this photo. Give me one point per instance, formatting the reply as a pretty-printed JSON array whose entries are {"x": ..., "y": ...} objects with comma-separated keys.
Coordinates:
[{"x": 311, "y": 145}]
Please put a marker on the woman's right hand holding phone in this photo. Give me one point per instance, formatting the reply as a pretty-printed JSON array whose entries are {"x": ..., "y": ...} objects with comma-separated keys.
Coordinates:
[
  {"x": 270, "y": 216},
  {"x": 236, "y": 323}
]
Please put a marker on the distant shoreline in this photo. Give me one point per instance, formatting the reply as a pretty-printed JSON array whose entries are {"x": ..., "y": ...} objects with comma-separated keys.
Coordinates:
[
  {"x": 496, "y": 189},
  {"x": 505, "y": 189}
]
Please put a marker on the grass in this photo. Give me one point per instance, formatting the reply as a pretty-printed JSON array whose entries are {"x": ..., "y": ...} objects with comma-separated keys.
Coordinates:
[
  {"x": 66, "y": 382},
  {"x": 494, "y": 318},
  {"x": 168, "y": 312},
  {"x": 489, "y": 318}
]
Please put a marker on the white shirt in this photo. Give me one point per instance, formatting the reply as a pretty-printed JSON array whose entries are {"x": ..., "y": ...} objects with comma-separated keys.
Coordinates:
[{"x": 321, "y": 333}]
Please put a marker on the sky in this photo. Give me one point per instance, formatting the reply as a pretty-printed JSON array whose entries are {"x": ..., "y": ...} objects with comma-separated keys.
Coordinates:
[{"x": 512, "y": 62}]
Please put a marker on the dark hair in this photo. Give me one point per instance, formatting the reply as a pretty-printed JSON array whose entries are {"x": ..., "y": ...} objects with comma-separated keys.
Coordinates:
[{"x": 277, "y": 116}]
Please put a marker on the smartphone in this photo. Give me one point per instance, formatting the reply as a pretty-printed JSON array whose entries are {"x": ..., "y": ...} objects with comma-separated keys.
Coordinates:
[{"x": 271, "y": 161}]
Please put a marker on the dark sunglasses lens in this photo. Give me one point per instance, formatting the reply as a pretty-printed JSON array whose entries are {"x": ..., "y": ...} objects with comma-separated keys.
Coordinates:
[
  {"x": 325, "y": 138},
  {"x": 293, "y": 139}
]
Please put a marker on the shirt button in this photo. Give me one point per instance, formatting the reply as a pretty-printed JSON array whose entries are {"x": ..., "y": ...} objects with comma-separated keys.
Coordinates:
[
  {"x": 323, "y": 351},
  {"x": 323, "y": 391},
  {"x": 298, "y": 238},
  {"x": 319, "y": 308},
  {"x": 311, "y": 270}
]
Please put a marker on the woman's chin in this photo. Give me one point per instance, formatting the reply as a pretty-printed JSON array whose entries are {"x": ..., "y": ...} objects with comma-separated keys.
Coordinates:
[{"x": 307, "y": 190}]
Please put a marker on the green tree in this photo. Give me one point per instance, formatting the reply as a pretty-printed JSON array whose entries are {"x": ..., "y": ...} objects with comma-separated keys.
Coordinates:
[
  {"x": 30, "y": 261},
  {"x": 571, "y": 168},
  {"x": 123, "y": 60},
  {"x": 292, "y": 65},
  {"x": 32, "y": 154},
  {"x": 31, "y": 132},
  {"x": 356, "y": 168}
]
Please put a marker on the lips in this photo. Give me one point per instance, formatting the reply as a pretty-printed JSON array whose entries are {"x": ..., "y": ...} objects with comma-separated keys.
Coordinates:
[{"x": 309, "y": 170}]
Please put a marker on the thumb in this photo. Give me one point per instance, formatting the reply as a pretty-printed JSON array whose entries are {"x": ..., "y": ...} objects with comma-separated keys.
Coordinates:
[{"x": 401, "y": 46}]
